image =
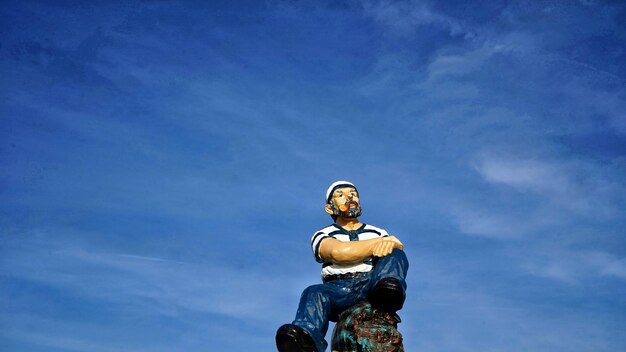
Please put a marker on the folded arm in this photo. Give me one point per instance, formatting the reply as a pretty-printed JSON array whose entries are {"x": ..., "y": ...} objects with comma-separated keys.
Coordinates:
[{"x": 335, "y": 251}]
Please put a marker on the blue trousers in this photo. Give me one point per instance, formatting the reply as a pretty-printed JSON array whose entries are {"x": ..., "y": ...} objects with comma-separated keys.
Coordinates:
[{"x": 318, "y": 302}]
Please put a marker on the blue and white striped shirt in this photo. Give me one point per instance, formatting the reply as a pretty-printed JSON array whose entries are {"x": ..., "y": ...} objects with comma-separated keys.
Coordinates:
[{"x": 365, "y": 232}]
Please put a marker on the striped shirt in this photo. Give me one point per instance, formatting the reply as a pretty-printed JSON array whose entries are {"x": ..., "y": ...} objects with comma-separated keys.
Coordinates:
[{"x": 365, "y": 232}]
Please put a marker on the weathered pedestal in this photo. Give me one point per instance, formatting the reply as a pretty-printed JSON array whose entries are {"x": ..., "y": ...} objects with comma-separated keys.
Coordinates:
[{"x": 362, "y": 328}]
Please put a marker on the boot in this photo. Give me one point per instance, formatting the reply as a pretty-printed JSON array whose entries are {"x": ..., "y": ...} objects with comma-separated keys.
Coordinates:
[
  {"x": 292, "y": 338},
  {"x": 387, "y": 295}
]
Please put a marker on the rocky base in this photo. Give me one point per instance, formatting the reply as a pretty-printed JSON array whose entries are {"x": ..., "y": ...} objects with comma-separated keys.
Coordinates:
[{"x": 362, "y": 328}]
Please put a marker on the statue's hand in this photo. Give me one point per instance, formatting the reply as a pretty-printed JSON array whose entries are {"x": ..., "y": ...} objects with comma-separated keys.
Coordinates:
[
  {"x": 386, "y": 245},
  {"x": 382, "y": 248},
  {"x": 394, "y": 239}
]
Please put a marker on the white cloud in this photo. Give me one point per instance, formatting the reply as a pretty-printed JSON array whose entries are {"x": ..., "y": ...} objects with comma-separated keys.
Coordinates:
[
  {"x": 165, "y": 286},
  {"x": 454, "y": 309},
  {"x": 489, "y": 224},
  {"x": 65, "y": 343},
  {"x": 572, "y": 266},
  {"x": 403, "y": 17},
  {"x": 445, "y": 65},
  {"x": 530, "y": 174},
  {"x": 577, "y": 186}
]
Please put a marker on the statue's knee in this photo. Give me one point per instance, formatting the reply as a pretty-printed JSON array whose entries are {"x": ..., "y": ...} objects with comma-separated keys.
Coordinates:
[
  {"x": 310, "y": 290},
  {"x": 400, "y": 256},
  {"x": 314, "y": 292},
  {"x": 399, "y": 253}
]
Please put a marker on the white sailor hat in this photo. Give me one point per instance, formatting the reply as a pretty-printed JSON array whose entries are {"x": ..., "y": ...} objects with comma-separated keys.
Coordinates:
[{"x": 334, "y": 186}]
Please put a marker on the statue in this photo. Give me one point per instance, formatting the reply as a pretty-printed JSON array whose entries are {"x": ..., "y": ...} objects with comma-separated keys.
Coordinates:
[{"x": 360, "y": 263}]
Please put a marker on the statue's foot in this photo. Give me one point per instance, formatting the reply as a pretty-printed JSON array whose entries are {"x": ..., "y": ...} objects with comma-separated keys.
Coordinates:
[
  {"x": 292, "y": 338},
  {"x": 387, "y": 295}
]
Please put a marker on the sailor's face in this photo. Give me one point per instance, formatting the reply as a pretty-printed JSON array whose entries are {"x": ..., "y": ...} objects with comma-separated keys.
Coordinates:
[
  {"x": 345, "y": 198},
  {"x": 345, "y": 202}
]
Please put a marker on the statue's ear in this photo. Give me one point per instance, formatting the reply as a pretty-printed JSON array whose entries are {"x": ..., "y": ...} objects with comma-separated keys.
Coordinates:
[{"x": 328, "y": 210}]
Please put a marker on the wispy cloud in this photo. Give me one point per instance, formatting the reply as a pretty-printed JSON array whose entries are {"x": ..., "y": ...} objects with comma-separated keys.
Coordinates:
[
  {"x": 491, "y": 224},
  {"x": 573, "y": 185},
  {"x": 189, "y": 295},
  {"x": 167, "y": 286},
  {"x": 575, "y": 266},
  {"x": 404, "y": 16},
  {"x": 467, "y": 309},
  {"x": 49, "y": 341},
  {"x": 525, "y": 174}
]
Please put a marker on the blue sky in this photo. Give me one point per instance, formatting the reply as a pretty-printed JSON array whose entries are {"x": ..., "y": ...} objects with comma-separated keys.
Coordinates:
[{"x": 163, "y": 166}]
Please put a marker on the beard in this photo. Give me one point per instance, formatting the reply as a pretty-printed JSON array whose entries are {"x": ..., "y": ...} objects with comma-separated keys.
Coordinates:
[{"x": 350, "y": 213}]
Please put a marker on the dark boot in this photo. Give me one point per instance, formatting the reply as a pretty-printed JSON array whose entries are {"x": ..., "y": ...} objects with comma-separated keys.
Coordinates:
[
  {"x": 387, "y": 295},
  {"x": 292, "y": 338}
]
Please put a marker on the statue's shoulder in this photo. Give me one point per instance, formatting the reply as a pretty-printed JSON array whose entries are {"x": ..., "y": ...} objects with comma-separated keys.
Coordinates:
[
  {"x": 379, "y": 230},
  {"x": 326, "y": 230}
]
